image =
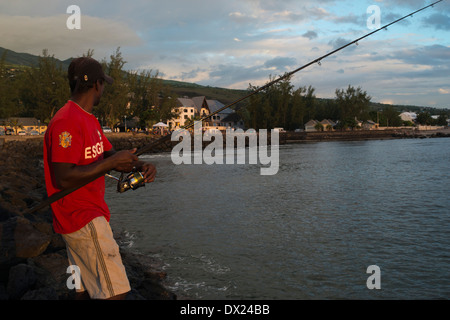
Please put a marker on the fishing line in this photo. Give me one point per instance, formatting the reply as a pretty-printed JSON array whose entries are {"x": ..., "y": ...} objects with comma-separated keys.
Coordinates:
[{"x": 150, "y": 146}]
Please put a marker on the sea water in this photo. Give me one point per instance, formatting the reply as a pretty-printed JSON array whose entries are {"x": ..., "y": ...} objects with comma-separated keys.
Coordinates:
[{"x": 309, "y": 232}]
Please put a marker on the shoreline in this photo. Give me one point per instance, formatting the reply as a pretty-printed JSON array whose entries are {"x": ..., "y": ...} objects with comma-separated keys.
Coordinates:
[
  {"x": 127, "y": 139},
  {"x": 33, "y": 258}
]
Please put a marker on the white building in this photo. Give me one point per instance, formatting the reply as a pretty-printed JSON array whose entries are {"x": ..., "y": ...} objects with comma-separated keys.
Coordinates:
[
  {"x": 185, "y": 110},
  {"x": 310, "y": 126},
  {"x": 408, "y": 116},
  {"x": 199, "y": 107}
]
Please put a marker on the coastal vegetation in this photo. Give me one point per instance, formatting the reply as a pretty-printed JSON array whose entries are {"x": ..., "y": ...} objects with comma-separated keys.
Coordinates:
[
  {"x": 282, "y": 105},
  {"x": 37, "y": 87},
  {"x": 40, "y": 90}
]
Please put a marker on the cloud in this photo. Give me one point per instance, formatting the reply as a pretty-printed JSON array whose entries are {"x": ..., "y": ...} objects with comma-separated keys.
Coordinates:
[
  {"x": 300, "y": 16},
  {"x": 439, "y": 21},
  {"x": 310, "y": 35},
  {"x": 434, "y": 55},
  {"x": 191, "y": 75},
  {"x": 237, "y": 75},
  {"x": 33, "y": 34},
  {"x": 239, "y": 17},
  {"x": 280, "y": 63},
  {"x": 340, "y": 42},
  {"x": 229, "y": 75},
  {"x": 351, "y": 18}
]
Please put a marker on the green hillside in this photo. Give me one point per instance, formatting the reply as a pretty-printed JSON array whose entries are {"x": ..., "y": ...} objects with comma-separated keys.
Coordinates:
[
  {"x": 25, "y": 59},
  {"x": 225, "y": 96},
  {"x": 182, "y": 89}
]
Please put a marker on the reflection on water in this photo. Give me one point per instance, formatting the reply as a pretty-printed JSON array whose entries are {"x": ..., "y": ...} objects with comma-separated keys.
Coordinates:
[{"x": 309, "y": 232}]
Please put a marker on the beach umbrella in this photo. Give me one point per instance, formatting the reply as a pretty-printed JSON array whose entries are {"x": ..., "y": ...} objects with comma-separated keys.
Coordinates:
[{"x": 160, "y": 124}]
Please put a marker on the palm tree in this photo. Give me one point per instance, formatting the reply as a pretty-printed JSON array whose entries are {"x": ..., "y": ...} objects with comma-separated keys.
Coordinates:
[
  {"x": 318, "y": 126},
  {"x": 15, "y": 124}
]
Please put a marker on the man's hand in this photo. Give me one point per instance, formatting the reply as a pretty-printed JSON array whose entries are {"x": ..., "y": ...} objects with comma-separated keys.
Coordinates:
[
  {"x": 148, "y": 171},
  {"x": 125, "y": 160}
]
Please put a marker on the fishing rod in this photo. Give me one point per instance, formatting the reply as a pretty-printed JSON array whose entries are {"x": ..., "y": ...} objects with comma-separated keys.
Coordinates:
[{"x": 135, "y": 180}]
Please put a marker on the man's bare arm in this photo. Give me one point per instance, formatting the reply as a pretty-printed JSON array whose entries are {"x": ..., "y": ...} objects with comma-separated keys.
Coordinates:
[{"x": 68, "y": 175}]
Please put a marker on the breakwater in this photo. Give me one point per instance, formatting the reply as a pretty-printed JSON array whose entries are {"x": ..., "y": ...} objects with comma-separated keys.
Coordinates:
[{"x": 33, "y": 260}]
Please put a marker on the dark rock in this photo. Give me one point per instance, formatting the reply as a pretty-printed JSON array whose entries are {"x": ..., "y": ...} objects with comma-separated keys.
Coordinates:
[
  {"x": 21, "y": 239},
  {"x": 52, "y": 273},
  {"x": 3, "y": 293},
  {"x": 21, "y": 279},
  {"x": 41, "y": 294},
  {"x": 134, "y": 295},
  {"x": 144, "y": 277}
]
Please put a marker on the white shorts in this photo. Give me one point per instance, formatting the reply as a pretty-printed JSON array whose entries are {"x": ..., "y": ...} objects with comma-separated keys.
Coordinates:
[{"x": 95, "y": 251}]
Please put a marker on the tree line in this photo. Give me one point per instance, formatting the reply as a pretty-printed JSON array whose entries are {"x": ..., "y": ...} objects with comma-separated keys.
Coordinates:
[
  {"x": 283, "y": 105},
  {"x": 41, "y": 90}
]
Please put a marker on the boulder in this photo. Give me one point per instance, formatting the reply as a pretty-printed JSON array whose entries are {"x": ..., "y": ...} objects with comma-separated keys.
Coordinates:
[
  {"x": 21, "y": 278},
  {"x": 21, "y": 239}
]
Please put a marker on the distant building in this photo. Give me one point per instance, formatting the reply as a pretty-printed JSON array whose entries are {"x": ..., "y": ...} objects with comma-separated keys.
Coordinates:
[
  {"x": 185, "y": 110},
  {"x": 199, "y": 107},
  {"x": 408, "y": 116},
  {"x": 218, "y": 119},
  {"x": 328, "y": 125},
  {"x": 310, "y": 126},
  {"x": 370, "y": 125},
  {"x": 28, "y": 126},
  {"x": 233, "y": 121}
]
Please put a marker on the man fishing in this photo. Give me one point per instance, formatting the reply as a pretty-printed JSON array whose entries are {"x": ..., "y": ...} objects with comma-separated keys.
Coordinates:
[{"x": 77, "y": 154}]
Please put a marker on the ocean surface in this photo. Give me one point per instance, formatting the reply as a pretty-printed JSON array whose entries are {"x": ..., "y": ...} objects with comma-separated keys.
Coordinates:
[{"x": 309, "y": 232}]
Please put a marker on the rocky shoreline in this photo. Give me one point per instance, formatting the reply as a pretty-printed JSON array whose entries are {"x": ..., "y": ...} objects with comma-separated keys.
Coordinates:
[
  {"x": 33, "y": 259},
  {"x": 293, "y": 137}
]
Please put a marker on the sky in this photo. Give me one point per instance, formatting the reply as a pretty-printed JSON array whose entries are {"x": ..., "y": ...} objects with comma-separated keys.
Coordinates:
[{"x": 234, "y": 43}]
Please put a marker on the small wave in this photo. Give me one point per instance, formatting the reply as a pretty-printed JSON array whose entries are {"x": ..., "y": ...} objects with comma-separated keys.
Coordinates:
[
  {"x": 162, "y": 155},
  {"x": 210, "y": 265},
  {"x": 191, "y": 289},
  {"x": 125, "y": 239}
]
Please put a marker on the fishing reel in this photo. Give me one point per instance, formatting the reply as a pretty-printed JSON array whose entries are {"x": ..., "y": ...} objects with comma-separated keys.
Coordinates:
[{"x": 132, "y": 180}]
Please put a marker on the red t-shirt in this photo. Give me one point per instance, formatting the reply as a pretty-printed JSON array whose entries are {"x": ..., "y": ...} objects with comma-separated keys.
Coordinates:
[{"x": 75, "y": 136}]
